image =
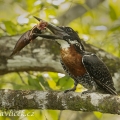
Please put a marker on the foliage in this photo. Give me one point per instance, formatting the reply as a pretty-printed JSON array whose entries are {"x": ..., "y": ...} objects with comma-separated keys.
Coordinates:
[{"x": 100, "y": 27}]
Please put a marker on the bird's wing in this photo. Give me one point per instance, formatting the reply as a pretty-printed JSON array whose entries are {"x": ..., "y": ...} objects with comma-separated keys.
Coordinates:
[{"x": 99, "y": 71}]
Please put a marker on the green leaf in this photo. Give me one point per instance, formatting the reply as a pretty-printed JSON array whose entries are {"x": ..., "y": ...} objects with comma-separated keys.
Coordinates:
[
  {"x": 112, "y": 13},
  {"x": 53, "y": 114},
  {"x": 30, "y": 4},
  {"x": 10, "y": 27},
  {"x": 65, "y": 82},
  {"x": 43, "y": 82},
  {"x": 98, "y": 114},
  {"x": 34, "y": 83},
  {"x": 54, "y": 76},
  {"x": 55, "y": 6},
  {"x": 22, "y": 87}
]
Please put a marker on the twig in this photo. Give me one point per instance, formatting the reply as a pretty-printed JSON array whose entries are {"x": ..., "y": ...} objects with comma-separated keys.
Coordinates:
[{"x": 21, "y": 78}]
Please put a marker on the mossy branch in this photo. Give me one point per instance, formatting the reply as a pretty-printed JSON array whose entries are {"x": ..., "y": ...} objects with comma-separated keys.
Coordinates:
[{"x": 31, "y": 99}]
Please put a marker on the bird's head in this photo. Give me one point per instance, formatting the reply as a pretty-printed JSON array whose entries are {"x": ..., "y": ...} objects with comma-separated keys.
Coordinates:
[{"x": 65, "y": 36}]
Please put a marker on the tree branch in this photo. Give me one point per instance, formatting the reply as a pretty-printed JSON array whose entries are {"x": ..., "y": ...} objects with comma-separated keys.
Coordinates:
[
  {"x": 43, "y": 55},
  {"x": 11, "y": 99},
  {"x": 77, "y": 11}
]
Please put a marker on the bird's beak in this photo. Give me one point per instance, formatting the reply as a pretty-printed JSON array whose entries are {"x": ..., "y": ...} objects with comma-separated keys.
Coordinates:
[
  {"x": 58, "y": 32},
  {"x": 37, "y": 18}
]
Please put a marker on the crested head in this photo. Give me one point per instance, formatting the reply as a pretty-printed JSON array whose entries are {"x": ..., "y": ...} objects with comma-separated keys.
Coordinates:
[{"x": 69, "y": 37}]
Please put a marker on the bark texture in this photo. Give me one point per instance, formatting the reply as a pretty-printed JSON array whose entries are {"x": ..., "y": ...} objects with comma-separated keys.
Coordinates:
[{"x": 11, "y": 99}]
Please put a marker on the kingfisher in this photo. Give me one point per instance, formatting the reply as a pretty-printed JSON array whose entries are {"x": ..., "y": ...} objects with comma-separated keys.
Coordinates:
[{"x": 84, "y": 67}]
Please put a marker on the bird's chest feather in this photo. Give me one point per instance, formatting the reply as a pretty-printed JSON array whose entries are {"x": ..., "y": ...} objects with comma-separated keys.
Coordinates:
[{"x": 73, "y": 61}]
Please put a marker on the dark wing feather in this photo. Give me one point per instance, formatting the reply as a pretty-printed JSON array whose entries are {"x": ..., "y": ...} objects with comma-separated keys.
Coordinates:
[{"x": 99, "y": 71}]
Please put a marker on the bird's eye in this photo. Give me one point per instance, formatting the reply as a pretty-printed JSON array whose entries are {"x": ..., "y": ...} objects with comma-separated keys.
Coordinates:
[{"x": 69, "y": 30}]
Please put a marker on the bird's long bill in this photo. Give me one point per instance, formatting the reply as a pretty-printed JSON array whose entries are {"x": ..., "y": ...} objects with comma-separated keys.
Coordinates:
[{"x": 58, "y": 32}]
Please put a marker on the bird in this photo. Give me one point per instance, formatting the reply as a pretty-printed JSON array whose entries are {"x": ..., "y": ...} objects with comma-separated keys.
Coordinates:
[{"x": 85, "y": 67}]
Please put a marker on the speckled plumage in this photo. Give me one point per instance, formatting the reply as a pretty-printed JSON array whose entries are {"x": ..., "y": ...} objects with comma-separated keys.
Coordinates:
[
  {"x": 87, "y": 69},
  {"x": 84, "y": 67},
  {"x": 99, "y": 72}
]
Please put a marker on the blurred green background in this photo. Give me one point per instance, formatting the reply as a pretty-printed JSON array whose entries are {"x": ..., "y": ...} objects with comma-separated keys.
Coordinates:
[{"x": 99, "y": 26}]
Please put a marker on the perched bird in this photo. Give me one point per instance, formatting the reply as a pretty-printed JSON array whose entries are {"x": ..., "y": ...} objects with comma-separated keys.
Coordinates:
[{"x": 84, "y": 67}]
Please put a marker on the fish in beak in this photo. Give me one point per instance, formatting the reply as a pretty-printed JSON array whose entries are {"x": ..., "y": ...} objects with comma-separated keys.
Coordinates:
[
  {"x": 27, "y": 37},
  {"x": 58, "y": 32}
]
